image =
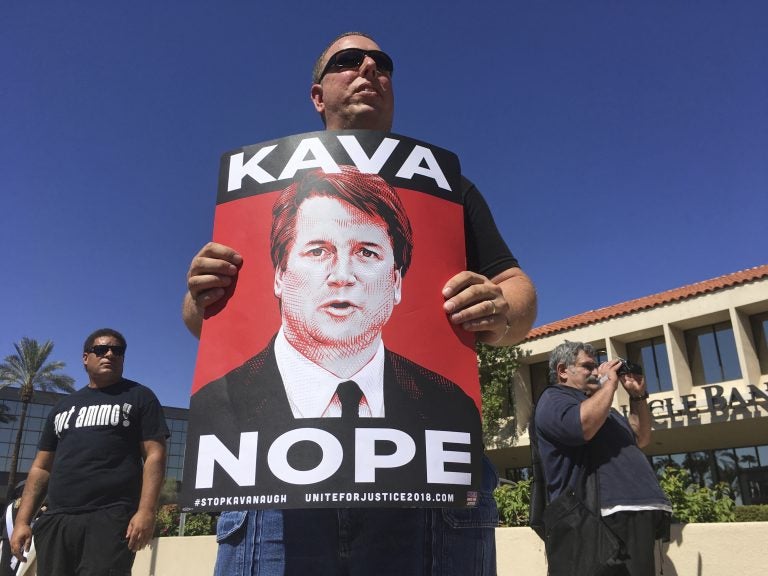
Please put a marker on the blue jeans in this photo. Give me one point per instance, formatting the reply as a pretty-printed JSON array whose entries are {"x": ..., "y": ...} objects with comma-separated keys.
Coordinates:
[{"x": 362, "y": 541}]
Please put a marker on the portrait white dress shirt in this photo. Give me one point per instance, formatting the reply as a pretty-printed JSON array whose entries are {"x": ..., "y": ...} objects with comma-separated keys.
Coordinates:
[{"x": 311, "y": 389}]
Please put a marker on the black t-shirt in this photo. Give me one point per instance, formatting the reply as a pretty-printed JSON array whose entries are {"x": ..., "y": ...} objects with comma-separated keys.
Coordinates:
[
  {"x": 487, "y": 253},
  {"x": 96, "y": 434}
]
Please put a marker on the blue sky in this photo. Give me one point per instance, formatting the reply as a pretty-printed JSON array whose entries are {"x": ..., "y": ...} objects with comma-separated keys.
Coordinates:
[{"x": 623, "y": 146}]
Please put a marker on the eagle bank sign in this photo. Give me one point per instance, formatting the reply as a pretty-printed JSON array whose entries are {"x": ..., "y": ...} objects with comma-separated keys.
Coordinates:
[{"x": 716, "y": 402}]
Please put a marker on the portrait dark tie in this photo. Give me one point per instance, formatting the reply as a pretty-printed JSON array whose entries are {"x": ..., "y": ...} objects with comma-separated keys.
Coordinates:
[{"x": 349, "y": 394}]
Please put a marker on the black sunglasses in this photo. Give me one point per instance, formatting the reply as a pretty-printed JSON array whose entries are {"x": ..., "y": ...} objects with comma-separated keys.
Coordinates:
[
  {"x": 102, "y": 349},
  {"x": 353, "y": 57}
]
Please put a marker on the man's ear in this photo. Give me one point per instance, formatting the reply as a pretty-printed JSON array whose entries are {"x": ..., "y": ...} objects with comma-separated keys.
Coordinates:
[
  {"x": 398, "y": 291},
  {"x": 278, "y": 285},
  {"x": 562, "y": 371},
  {"x": 316, "y": 94}
]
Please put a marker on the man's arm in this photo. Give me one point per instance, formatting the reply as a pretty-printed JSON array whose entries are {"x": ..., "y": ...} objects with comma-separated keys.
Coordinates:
[
  {"x": 142, "y": 524},
  {"x": 211, "y": 272},
  {"x": 639, "y": 413},
  {"x": 31, "y": 499},
  {"x": 500, "y": 309},
  {"x": 595, "y": 409}
]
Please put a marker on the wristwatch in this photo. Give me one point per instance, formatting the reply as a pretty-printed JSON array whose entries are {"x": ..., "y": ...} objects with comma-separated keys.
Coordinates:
[{"x": 639, "y": 398}]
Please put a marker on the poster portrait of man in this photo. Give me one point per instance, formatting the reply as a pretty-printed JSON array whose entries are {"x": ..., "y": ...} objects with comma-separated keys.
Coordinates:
[{"x": 325, "y": 406}]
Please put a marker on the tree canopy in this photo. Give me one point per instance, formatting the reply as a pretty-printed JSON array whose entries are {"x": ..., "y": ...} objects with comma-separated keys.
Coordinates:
[
  {"x": 497, "y": 366},
  {"x": 30, "y": 370}
]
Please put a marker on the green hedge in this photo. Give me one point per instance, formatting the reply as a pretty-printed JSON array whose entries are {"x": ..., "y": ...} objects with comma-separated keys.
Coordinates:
[
  {"x": 690, "y": 502},
  {"x": 694, "y": 503},
  {"x": 513, "y": 502},
  {"x": 198, "y": 524},
  {"x": 754, "y": 513}
]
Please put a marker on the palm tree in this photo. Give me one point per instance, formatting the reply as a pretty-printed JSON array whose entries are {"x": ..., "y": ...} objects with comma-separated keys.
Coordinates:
[{"x": 28, "y": 369}]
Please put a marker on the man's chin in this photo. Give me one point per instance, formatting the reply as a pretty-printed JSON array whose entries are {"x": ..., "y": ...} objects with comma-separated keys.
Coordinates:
[
  {"x": 345, "y": 341},
  {"x": 104, "y": 379},
  {"x": 368, "y": 115},
  {"x": 349, "y": 342}
]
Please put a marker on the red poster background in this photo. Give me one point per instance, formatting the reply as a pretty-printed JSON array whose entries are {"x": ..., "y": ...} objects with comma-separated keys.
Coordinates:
[{"x": 418, "y": 328}]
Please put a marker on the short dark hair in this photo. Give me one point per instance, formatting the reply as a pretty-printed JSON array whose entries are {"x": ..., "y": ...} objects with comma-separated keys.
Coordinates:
[
  {"x": 103, "y": 332},
  {"x": 369, "y": 193},
  {"x": 318, "y": 68}
]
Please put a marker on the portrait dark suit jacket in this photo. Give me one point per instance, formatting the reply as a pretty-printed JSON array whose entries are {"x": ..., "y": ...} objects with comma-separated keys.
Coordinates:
[{"x": 252, "y": 398}]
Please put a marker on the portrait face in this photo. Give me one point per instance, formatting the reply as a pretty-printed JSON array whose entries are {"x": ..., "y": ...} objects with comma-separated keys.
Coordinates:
[
  {"x": 355, "y": 98},
  {"x": 104, "y": 365},
  {"x": 339, "y": 285}
]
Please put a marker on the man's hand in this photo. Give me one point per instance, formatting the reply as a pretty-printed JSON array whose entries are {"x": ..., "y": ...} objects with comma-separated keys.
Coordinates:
[
  {"x": 140, "y": 530},
  {"x": 21, "y": 540},
  {"x": 31, "y": 499},
  {"x": 607, "y": 375},
  {"x": 212, "y": 271},
  {"x": 142, "y": 525},
  {"x": 601, "y": 388},
  {"x": 634, "y": 384},
  {"x": 639, "y": 414},
  {"x": 478, "y": 305}
]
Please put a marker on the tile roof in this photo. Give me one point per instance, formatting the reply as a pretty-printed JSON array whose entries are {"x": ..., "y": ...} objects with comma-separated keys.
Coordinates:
[{"x": 689, "y": 291}]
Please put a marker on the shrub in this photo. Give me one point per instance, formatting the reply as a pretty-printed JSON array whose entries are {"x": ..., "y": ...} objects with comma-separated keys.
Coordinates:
[
  {"x": 167, "y": 521},
  {"x": 690, "y": 502},
  {"x": 200, "y": 524},
  {"x": 513, "y": 501},
  {"x": 753, "y": 513},
  {"x": 693, "y": 503},
  {"x": 197, "y": 524}
]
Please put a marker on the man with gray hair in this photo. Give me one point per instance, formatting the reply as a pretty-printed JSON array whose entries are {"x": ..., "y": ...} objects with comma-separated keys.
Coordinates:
[{"x": 579, "y": 435}]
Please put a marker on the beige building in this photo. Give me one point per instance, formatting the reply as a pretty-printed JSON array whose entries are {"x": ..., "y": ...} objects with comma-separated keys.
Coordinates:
[{"x": 704, "y": 351}]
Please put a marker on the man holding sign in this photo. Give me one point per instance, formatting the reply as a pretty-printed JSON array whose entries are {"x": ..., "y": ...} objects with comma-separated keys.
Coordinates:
[{"x": 494, "y": 299}]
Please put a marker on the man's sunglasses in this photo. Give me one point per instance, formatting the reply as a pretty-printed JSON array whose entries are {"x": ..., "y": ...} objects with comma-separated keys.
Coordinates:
[
  {"x": 102, "y": 349},
  {"x": 350, "y": 58}
]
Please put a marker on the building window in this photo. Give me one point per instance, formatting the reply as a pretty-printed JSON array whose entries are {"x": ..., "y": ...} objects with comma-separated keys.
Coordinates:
[
  {"x": 175, "y": 463},
  {"x": 699, "y": 465},
  {"x": 36, "y": 418},
  {"x": 518, "y": 474},
  {"x": 744, "y": 470},
  {"x": 651, "y": 354},
  {"x": 33, "y": 426},
  {"x": 712, "y": 354},
  {"x": 760, "y": 332},
  {"x": 667, "y": 461},
  {"x": 601, "y": 356}
]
